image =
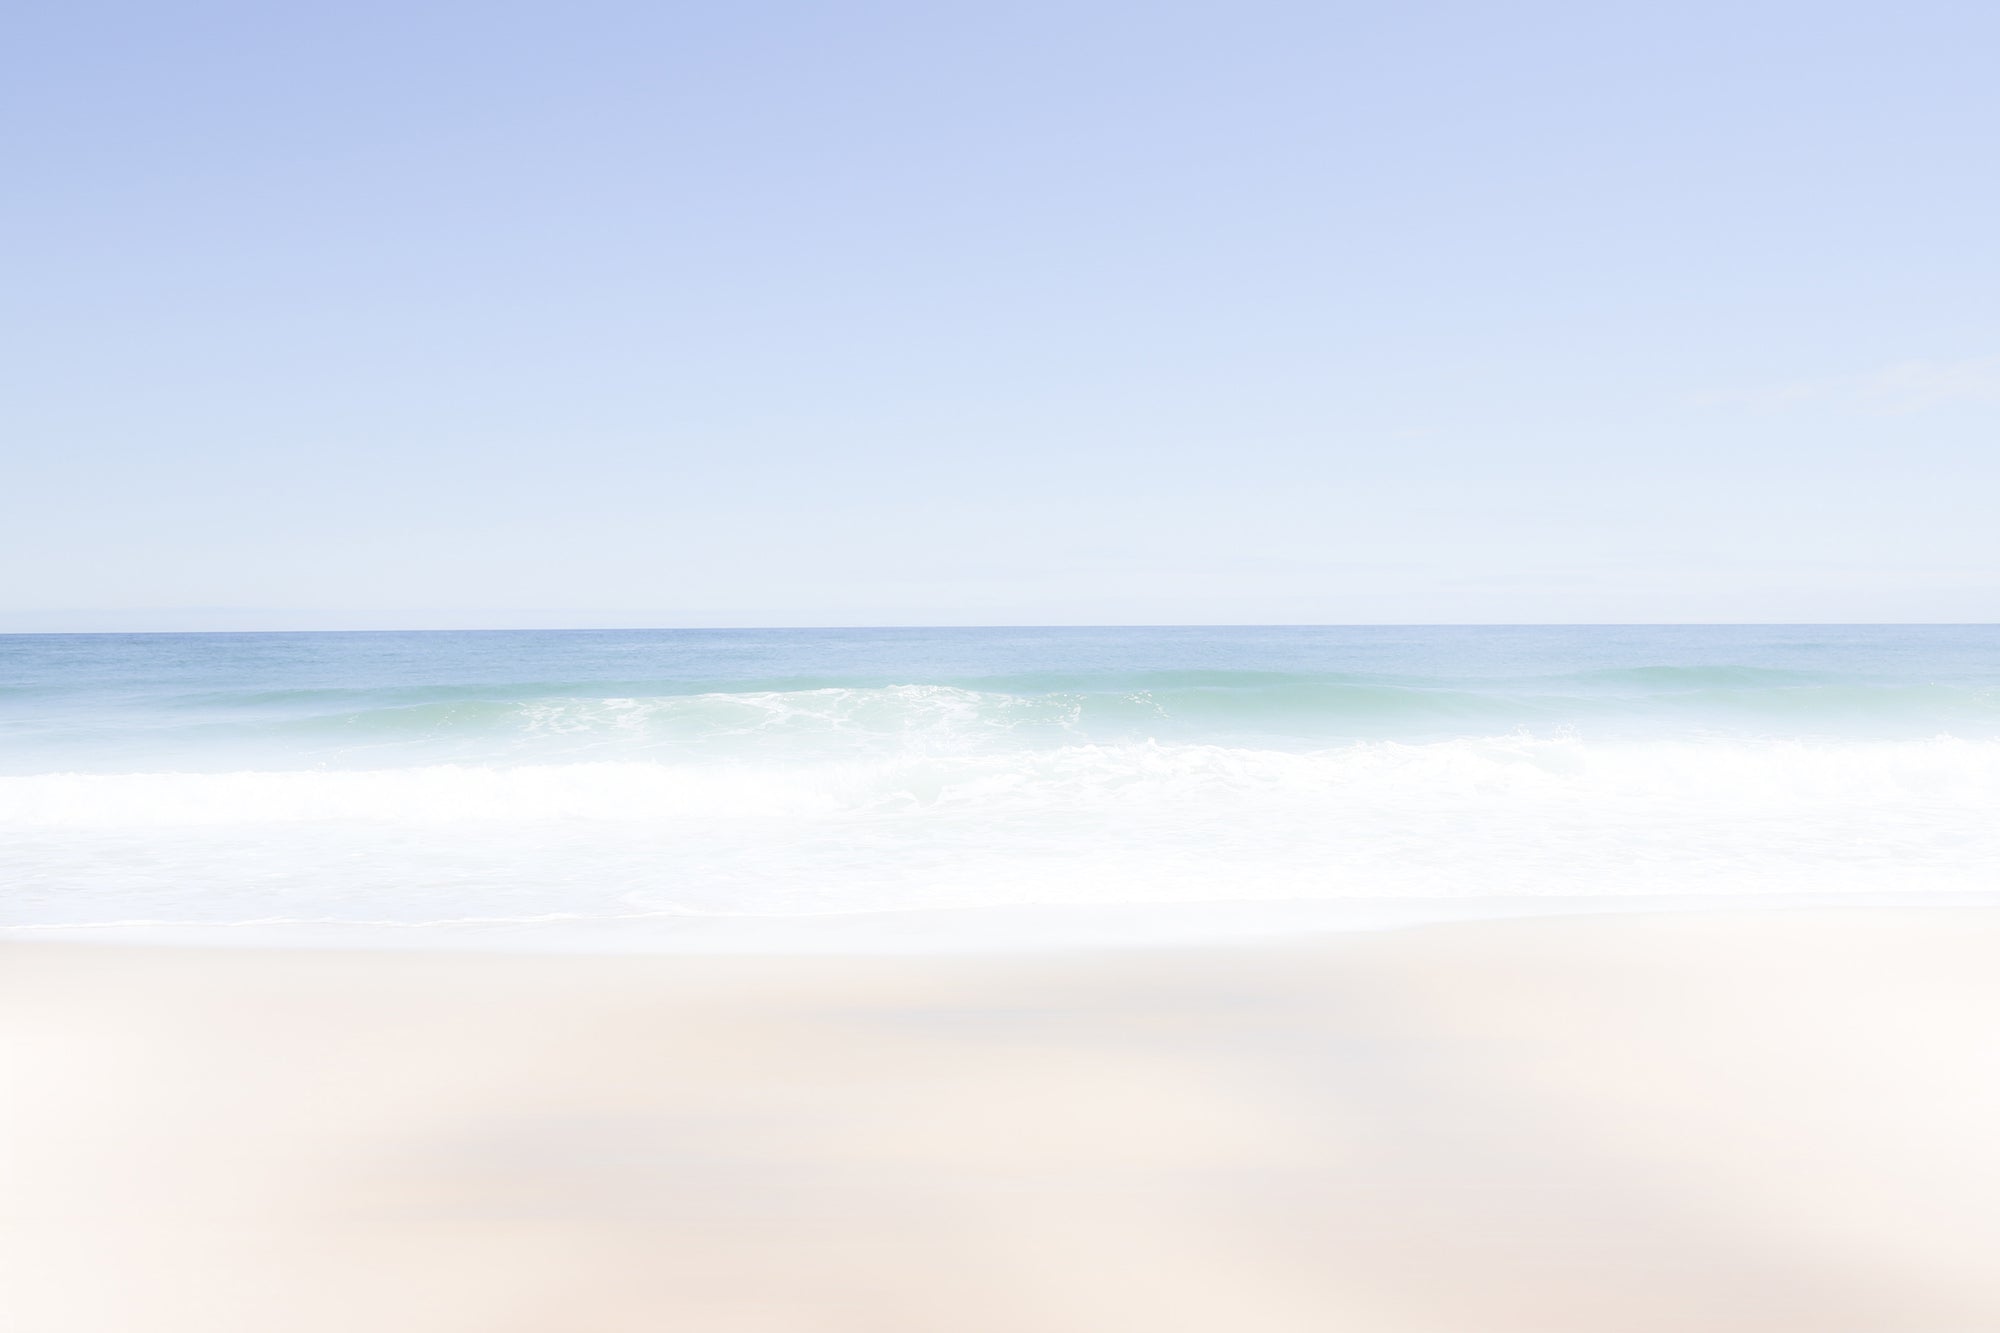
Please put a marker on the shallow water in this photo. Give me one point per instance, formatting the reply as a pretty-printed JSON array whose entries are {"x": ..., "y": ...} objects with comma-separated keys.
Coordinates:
[{"x": 635, "y": 789}]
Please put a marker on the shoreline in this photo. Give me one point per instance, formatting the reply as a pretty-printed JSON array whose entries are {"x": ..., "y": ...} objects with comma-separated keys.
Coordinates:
[
  {"x": 1025, "y": 930},
  {"x": 1742, "y": 1120}
]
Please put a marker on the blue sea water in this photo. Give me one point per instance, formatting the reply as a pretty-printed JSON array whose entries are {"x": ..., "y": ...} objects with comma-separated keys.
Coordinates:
[{"x": 738, "y": 788}]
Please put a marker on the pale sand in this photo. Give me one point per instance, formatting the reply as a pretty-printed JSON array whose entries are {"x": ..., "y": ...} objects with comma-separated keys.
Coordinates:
[{"x": 1703, "y": 1122}]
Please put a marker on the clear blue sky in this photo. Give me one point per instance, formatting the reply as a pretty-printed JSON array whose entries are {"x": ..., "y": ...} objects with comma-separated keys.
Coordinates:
[{"x": 616, "y": 313}]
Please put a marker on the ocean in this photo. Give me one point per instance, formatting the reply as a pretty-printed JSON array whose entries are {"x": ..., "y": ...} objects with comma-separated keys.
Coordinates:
[{"x": 969, "y": 788}]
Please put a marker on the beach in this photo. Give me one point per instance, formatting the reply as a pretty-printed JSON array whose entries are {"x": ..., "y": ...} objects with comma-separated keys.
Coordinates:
[
  {"x": 1726, "y": 1120},
  {"x": 1067, "y": 668}
]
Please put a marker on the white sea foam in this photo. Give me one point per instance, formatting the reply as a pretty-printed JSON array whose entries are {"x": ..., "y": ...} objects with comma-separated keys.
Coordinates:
[
  {"x": 1725, "y": 774},
  {"x": 1499, "y": 817}
]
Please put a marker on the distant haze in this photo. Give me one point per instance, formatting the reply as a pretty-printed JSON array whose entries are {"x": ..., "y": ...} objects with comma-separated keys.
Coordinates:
[{"x": 448, "y": 314}]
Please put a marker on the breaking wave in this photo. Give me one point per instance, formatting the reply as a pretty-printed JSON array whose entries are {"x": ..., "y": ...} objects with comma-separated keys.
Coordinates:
[{"x": 1270, "y": 710}]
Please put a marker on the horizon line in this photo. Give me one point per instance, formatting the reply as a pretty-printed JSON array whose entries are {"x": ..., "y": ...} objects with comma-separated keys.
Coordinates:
[{"x": 1031, "y": 625}]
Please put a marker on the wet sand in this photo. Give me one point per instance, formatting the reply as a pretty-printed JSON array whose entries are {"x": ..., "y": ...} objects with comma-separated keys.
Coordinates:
[{"x": 1717, "y": 1122}]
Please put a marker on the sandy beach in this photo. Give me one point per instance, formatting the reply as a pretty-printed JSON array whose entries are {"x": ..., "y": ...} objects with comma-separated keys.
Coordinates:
[{"x": 1756, "y": 1121}]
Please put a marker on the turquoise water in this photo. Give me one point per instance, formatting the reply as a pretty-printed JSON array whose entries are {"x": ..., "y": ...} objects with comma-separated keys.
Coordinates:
[{"x": 648, "y": 788}]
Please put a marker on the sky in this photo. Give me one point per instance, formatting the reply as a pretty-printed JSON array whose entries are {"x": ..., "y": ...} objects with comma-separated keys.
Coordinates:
[{"x": 426, "y": 314}]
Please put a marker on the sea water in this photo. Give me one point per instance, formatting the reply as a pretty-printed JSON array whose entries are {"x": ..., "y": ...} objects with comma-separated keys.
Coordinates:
[{"x": 958, "y": 787}]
